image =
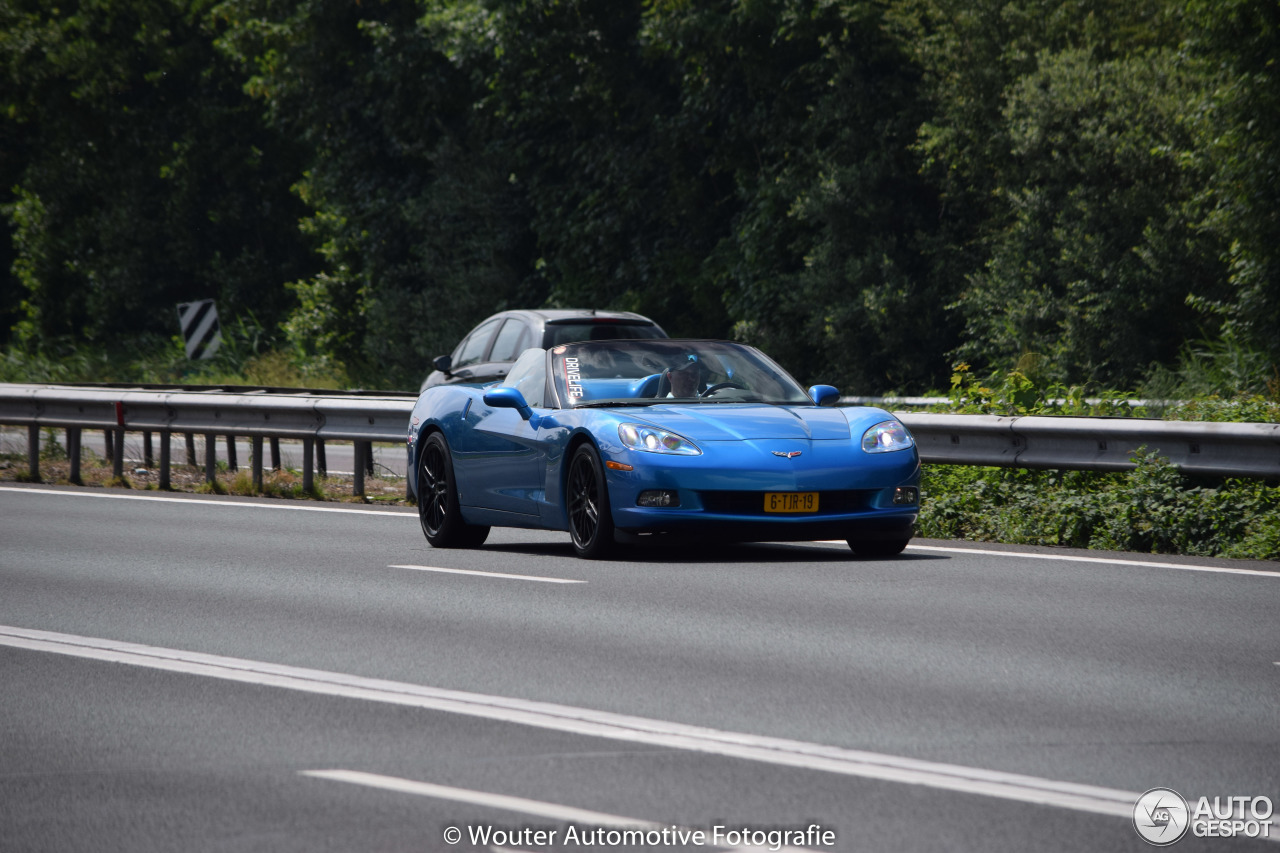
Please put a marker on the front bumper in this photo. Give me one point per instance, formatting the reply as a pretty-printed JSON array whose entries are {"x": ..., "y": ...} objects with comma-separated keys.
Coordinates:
[{"x": 724, "y": 496}]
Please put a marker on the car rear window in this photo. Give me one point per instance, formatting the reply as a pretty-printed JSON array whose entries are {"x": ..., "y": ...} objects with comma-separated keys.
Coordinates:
[{"x": 565, "y": 333}]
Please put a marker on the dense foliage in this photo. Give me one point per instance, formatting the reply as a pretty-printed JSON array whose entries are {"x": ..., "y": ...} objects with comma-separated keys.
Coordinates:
[
  {"x": 141, "y": 176},
  {"x": 1153, "y": 509},
  {"x": 1084, "y": 192}
]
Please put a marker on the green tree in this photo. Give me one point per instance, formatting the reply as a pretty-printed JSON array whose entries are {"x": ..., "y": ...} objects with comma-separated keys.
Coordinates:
[
  {"x": 1100, "y": 245},
  {"x": 145, "y": 176},
  {"x": 1066, "y": 141},
  {"x": 1240, "y": 129},
  {"x": 422, "y": 229},
  {"x": 580, "y": 106},
  {"x": 709, "y": 165},
  {"x": 804, "y": 112}
]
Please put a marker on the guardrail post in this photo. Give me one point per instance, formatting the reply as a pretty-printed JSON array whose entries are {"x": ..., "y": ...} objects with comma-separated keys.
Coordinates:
[
  {"x": 117, "y": 461},
  {"x": 275, "y": 453},
  {"x": 148, "y": 454},
  {"x": 210, "y": 458},
  {"x": 232, "y": 464},
  {"x": 73, "y": 454},
  {"x": 191, "y": 449},
  {"x": 321, "y": 464},
  {"x": 308, "y": 454},
  {"x": 359, "y": 450},
  {"x": 108, "y": 445},
  {"x": 255, "y": 463},
  {"x": 33, "y": 452},
  {"x": 164, "y": 459}
]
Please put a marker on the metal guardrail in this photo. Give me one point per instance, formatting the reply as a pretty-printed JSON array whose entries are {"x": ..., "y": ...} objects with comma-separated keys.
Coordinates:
[
  {"x": 244, "y": 389},
  {"x": 1097, "y": 444},
  {"x": 896, "y": 402},
  {"x": 928, "y": 402},
  {"x": 306, "y": 416}
]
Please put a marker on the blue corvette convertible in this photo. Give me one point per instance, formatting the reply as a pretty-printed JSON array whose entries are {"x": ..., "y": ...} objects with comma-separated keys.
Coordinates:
[{"x": 613, "y": 440}]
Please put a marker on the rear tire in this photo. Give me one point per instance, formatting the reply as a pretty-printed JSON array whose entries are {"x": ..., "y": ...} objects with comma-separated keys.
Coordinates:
[
  {"x": 878, "y": 547},
  {"x": 587, "y": 505},
  {"x": 438, "y": 508}
]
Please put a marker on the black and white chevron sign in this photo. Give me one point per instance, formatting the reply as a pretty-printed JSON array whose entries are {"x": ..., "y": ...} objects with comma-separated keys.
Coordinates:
[{"x": 200, "y": 328}]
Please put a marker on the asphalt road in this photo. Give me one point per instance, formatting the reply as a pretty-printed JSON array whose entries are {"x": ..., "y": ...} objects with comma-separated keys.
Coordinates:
[{"x": 201, "y": 673}]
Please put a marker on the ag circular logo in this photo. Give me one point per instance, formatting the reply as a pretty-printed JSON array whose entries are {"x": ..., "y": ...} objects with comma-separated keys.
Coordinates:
[{"x": 1161, "y": 816}]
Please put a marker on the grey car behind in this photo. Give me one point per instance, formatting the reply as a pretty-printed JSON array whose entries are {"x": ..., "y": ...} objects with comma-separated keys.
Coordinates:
[{"x": 488, "y": 351}]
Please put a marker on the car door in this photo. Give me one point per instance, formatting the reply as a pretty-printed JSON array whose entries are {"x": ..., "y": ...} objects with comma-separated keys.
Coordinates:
[{"x": 500, "y": 457}]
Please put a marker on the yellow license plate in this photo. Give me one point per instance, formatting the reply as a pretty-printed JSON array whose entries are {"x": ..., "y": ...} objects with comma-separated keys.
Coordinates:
[{"x": 791, "y": 502}]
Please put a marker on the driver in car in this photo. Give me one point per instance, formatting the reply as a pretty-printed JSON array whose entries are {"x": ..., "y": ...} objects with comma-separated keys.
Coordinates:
[{"x": 686, "y": 379}]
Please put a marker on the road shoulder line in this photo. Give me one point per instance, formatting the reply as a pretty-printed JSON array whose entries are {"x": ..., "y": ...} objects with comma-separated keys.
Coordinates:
[{"x": 592, "y": 723}]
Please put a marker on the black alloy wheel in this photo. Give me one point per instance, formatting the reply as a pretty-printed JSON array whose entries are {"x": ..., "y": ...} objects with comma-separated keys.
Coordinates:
[
  {"x": 587, "y": 505},
  {"x": 438, "y": 508}
]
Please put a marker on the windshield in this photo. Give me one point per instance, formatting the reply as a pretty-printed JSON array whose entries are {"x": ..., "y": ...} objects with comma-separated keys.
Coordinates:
[{"x": 648, "y": 372}]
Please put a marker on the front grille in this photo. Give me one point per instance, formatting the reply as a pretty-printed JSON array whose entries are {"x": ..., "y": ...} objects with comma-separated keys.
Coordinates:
[{"x": 752, "y": 503}]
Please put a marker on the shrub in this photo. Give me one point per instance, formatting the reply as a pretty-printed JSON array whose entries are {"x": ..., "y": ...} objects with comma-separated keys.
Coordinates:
[{"x": 1151, "y": 509}]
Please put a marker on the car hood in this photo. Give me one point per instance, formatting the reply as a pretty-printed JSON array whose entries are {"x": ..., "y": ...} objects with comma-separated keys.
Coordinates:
[{"x": 729, "y": 422}]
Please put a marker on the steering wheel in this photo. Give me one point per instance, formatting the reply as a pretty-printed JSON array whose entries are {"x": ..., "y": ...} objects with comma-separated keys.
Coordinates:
[
  {"x": 664, "y": 384},
  {"x": 721, "y": 385}
]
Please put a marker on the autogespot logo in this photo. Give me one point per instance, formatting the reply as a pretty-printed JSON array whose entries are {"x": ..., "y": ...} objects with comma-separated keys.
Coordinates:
[{"x": 1161, "y": 817}]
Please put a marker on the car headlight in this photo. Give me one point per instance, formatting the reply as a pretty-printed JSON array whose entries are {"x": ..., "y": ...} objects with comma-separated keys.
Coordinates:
[
  {"x": 886, "y": 437},
  {"x": 654, "y": 440}
]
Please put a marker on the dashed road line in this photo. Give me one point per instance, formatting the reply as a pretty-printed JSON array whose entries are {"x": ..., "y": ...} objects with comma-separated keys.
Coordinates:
[
  {"x": 539, "y": 578},
  {"x": 504, "y": 802}
]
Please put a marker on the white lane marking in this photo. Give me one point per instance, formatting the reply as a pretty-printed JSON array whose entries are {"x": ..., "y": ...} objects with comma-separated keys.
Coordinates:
[
  {"x": 1150, "y": 564},
  {"x": 478, "y": 798},
  {"x": 488, "y": 574},
  {"x": 240, "y": 504},
  {"x": 537, "y": 808},
  {"x": 587, "y": 722},
  {"x": 1107, "y": 561}
]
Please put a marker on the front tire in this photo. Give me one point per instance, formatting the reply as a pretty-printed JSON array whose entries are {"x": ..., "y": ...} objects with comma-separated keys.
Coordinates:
[
  {"x": 438, "y": 508},
  {"x": 587, "y": 505}
]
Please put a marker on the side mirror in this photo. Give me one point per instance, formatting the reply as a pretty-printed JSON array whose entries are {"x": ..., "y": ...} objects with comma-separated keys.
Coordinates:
[
  {"x": 824, "y": 395},
  {"x": 508, "y": 398},
  {"x": 442, "y": 363}
]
